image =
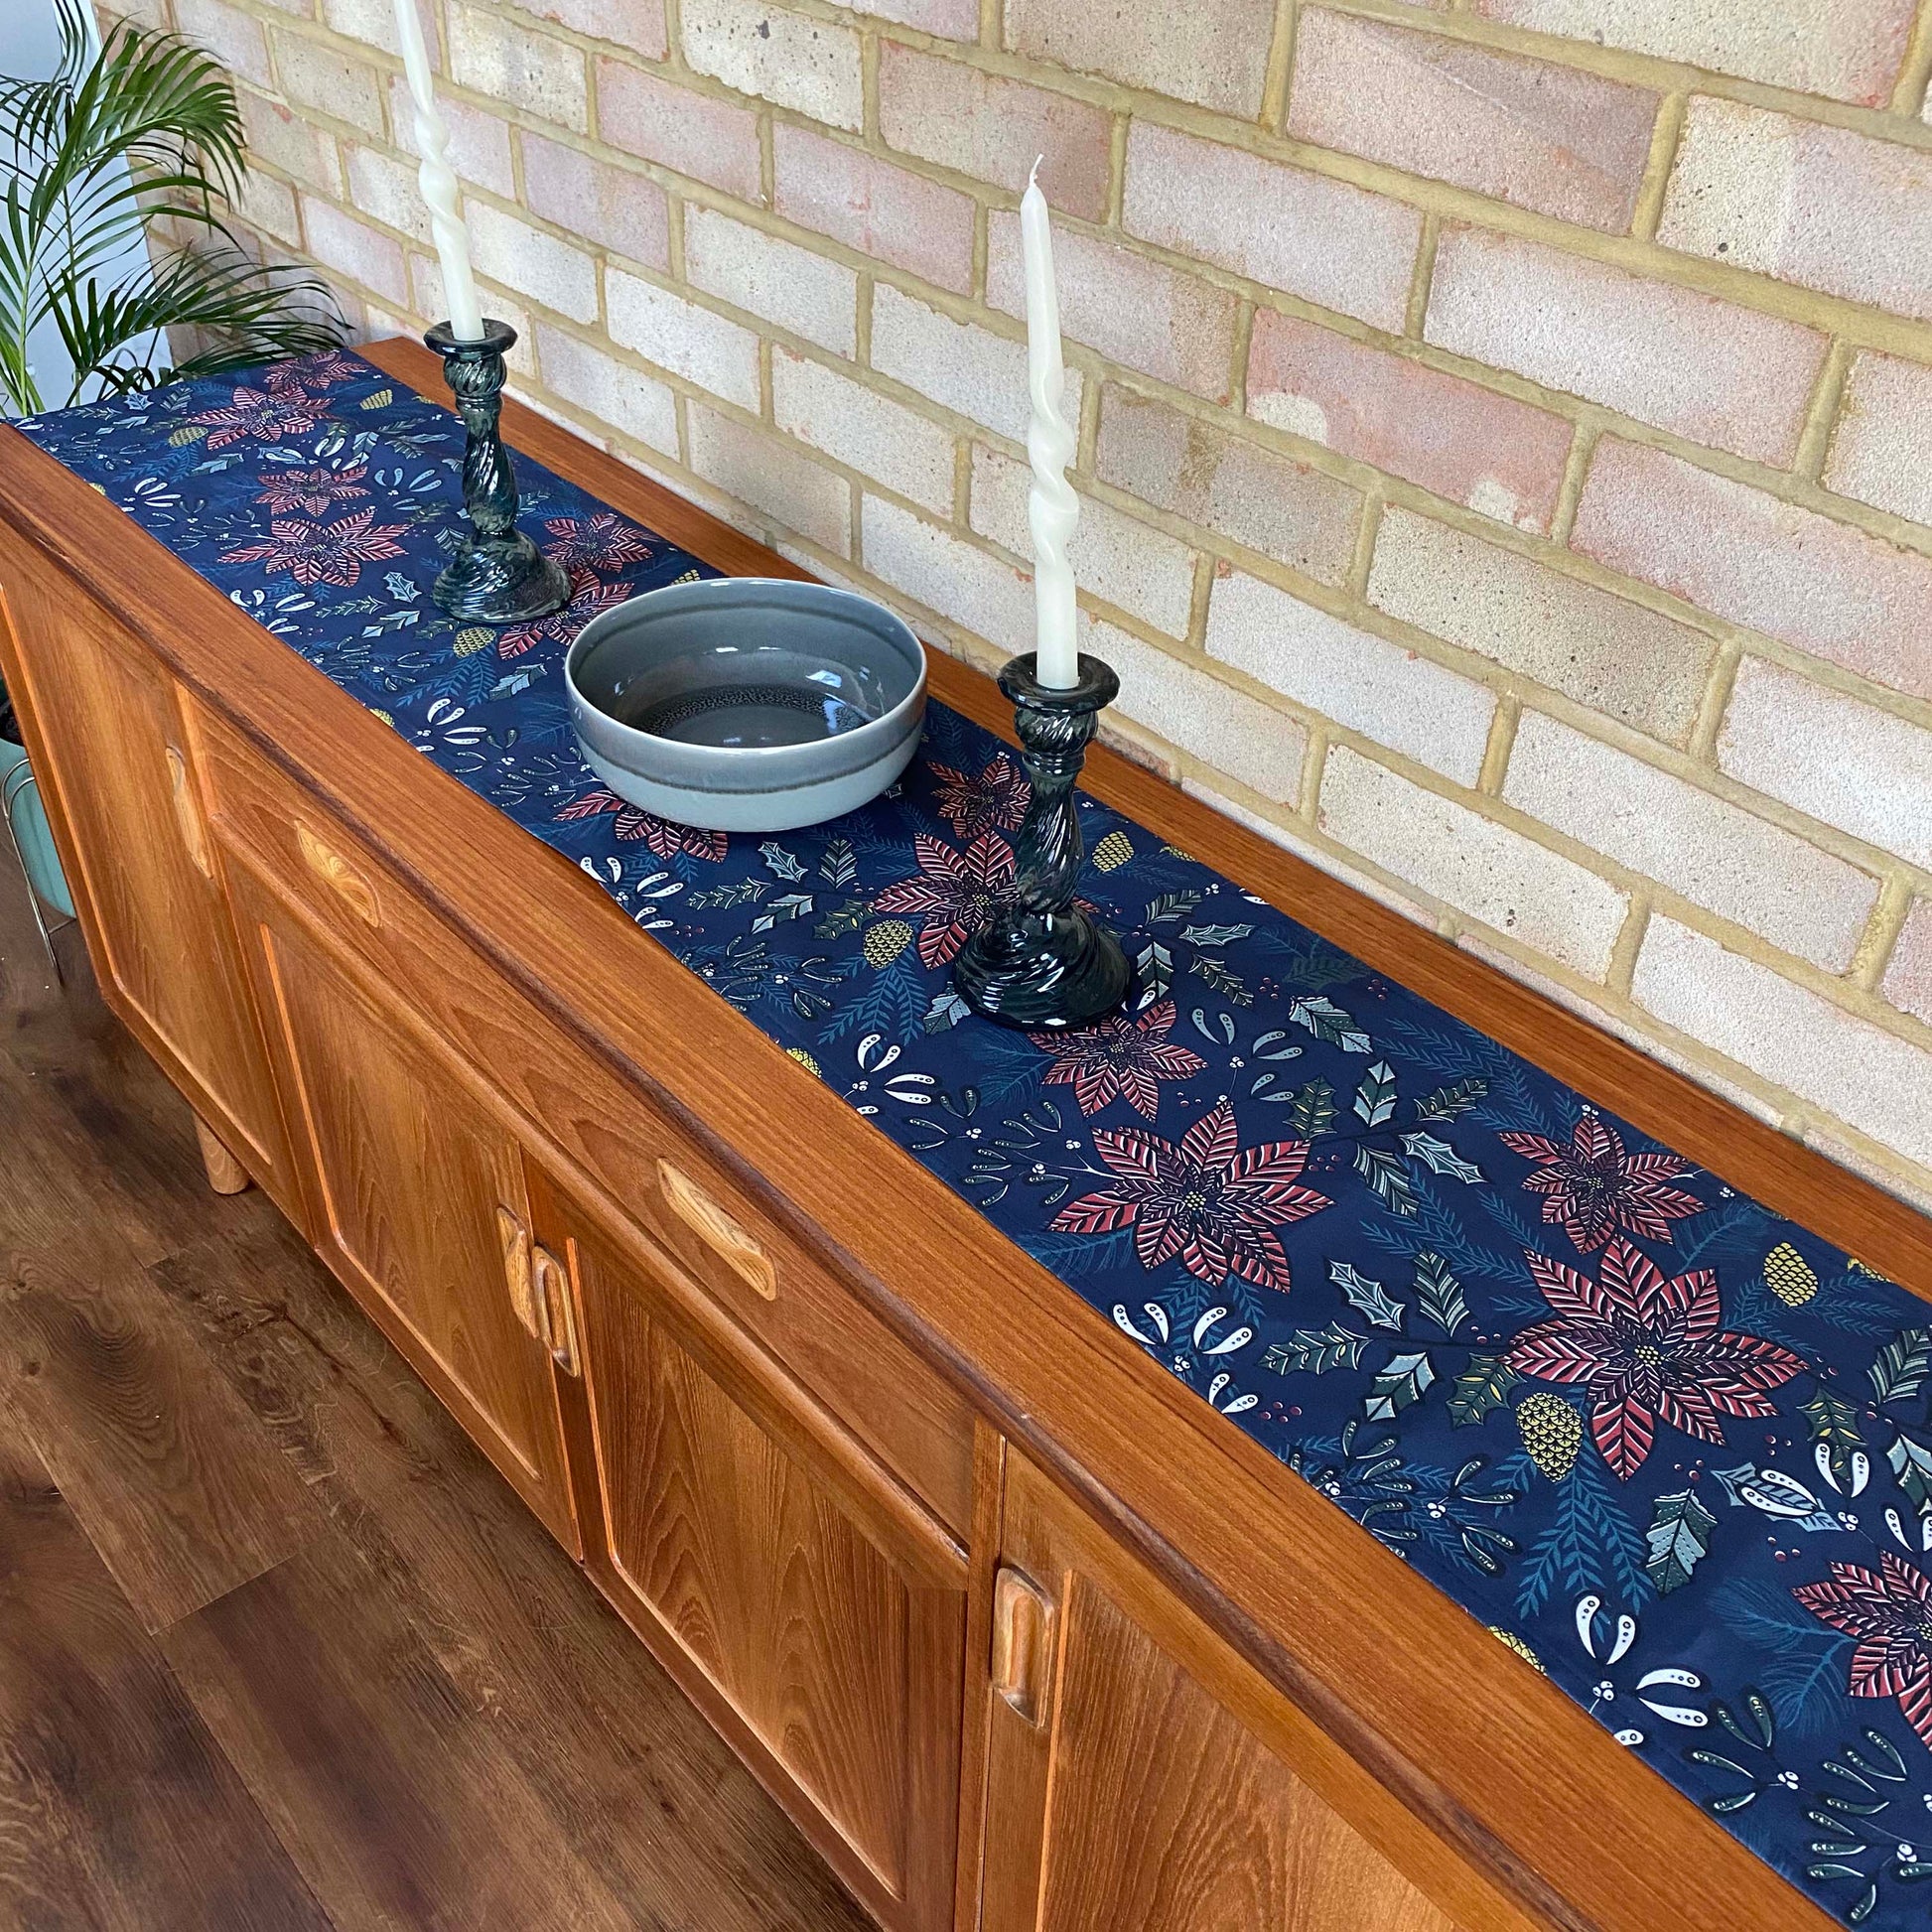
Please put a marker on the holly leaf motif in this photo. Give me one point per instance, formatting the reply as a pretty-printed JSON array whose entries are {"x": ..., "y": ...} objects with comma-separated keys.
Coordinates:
[
  {"x": 1679, "y": 1538},
  {"x": 1214, "y": 935},
  {"x": 1439, "y": 1294},
  {"x": 1328, "y": 1021},
  {"x": 1834, "y": 1423},
  {"x": 1375, "y": 1097},
  {"x": 1483, "y": 1386},
  {"x": 787, "y": 905},
  {"x": 1388, "y": 1176},
  {"x": 1911, "y": 1464},
  {"x": 1440, "y": 1157},
  {"x": 1370, "y": 1298},
  {"x": 782, "y": 864},
  {"x": 1315, "y": 1351},
  {"x": 1446, "y": 1102},
  {"x": 1314, "y": 1111},
  {"x": 1400, "y": 1383},
  {"x": 1171, "y": 906},
  {"x": 1901, "y": 1365}
]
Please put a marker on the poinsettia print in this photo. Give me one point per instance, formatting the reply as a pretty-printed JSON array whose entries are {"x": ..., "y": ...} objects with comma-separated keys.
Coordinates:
[
  {"x": 316, "y": 492},
  {"x": 1646, "y": 1348},
  {"x": 1204, "y": 1198},
  {"x": 955, "y": 893},
  {"x": 1592, "y": 1187},
  {"x": 1120, "y": 1058},
  {"x": 260, "y": 415},
  {"x": 317, "y": 374},
  {"x": 1890, "y": 1611},
  {"x": 587, "y": 596},
  {"x": 666, "y": 839},
  {"x": 322, "y": 553},
  {"x": 995, "y": 802},
  {"x": 605, "y": 541}
]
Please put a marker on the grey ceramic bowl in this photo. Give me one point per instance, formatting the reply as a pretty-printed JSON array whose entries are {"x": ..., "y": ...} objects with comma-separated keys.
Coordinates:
[{"x": 747, "y": 704}]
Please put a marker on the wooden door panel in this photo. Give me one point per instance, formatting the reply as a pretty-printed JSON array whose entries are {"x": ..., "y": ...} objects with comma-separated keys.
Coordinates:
[
  {"x": 411, "y": 1183},
  {"x": 1142, "y": 1778},
  {"x": 108, "y": 740},
  {"x": 831, "y": 1656}
]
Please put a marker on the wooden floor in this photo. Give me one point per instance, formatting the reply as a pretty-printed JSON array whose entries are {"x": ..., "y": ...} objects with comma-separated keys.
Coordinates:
[{"x": 278, "y": 1648}]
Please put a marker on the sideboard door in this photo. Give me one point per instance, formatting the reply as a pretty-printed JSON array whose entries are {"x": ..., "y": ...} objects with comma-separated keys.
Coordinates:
[
  {"x": 1127, "y": 1788},
  {"x": 800, "y": 1596},
  {"x": 106, "y": 733},
  {"x": 417, "y": 1201}
]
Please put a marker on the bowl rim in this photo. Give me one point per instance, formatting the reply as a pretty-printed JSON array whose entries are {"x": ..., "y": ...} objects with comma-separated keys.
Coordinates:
[{"x": 885, "y": 725}]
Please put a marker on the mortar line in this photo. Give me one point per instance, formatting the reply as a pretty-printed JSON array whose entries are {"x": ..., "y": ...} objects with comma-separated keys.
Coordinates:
[
  {"x": 1665, "y": 134},
  {"x": 1821, "y": 412}
]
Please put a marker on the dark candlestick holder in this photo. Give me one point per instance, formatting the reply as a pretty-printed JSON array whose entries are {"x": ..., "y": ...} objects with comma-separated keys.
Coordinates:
[
  {"x": 1043, "y": 962},
  {"x": 498, "y": 575}
]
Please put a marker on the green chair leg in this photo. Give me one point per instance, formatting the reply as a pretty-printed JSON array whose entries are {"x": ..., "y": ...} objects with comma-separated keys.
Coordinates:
[{"x": 33, "y": 844}]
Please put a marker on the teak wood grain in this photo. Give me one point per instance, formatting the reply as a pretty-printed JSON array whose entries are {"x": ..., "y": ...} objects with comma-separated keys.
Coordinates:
[{"x": 1432, "y": 1742}]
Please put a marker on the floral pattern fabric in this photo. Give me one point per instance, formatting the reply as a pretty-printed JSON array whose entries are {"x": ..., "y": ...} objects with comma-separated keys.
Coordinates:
[{"x": 1675, "y": 1451}]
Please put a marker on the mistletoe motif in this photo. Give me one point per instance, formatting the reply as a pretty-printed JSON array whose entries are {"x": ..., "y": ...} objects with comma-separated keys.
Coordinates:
[{"x": 1205, "y": 1199}]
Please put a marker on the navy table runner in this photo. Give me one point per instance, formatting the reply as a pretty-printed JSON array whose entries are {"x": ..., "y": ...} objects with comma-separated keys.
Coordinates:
[{"x": 1671, "y": 1447}]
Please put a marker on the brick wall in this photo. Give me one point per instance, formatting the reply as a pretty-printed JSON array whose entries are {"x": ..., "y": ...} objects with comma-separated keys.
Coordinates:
[{"x": 1505, "y": 425}]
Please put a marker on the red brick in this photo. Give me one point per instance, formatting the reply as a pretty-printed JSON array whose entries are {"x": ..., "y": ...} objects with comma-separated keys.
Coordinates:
[
  {"x": 1882, "y": 449},
  {"x": 1707, "y": 369},
  {"x": 1456, "y": 438},
  {"x": 480, "y": 141},
  {"x": 356, "y": 249},
  {"x": 714, "y": 141},
  {"x": 1569, "y": 144},
  {"x": 886, "y": 213},
  {"x": 1213, "y": 53},
  {"x": 1817, "y": 205},
  {"x": 1826, "y": 588},
  {"x": 1138, "y": 312},
  {"x": 1325, "y": 240},
  {"x": 597, "y": 201},
  {"x": 991, "y": 128},
  {"x": 231, "y": 36}
]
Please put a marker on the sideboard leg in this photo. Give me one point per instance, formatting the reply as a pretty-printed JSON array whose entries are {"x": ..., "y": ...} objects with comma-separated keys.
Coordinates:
[{"x": 225, "y": 1174}]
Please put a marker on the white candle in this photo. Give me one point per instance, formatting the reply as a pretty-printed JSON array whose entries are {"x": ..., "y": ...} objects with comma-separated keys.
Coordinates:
[
  {"x": 1053, "y": 510},
  {"x": 438, "y": 182}
]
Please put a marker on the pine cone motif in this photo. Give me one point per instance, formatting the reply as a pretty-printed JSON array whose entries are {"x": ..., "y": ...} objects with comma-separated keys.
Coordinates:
[
  {"x": 1112, "y": 852},
  {"x": 805, "y": 1060},
  {"x": 885, "y": 942},
  {"x": 1511, "y": 1641},
  {"x": 1551, "y": 1431},
  {"x": 473, "y": 638},
  {"x": 1789, "y": 1276}
]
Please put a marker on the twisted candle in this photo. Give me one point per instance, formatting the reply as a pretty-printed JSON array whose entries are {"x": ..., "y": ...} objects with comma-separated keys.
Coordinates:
[
  {"x": 438, "y": 181},
  {"x": 1053, "y": 510}
]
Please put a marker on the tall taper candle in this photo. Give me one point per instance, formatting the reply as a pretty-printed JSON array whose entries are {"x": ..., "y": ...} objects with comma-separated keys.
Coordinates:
[
  {"x": 438, "y": 182},
  {"x": 1053, "y": 510}
]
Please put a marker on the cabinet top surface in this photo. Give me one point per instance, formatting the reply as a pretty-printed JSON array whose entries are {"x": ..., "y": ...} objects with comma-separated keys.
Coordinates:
[{"x": 1563, "y": 1372}]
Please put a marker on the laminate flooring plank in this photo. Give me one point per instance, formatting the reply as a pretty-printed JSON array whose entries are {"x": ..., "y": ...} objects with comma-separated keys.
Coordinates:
[
  {"x": 398, "y": 1801},
  {"x": 633, "y": 1780},
  {"x": 117, "y": 1811},
  {"x": 175, "y": 1480}
]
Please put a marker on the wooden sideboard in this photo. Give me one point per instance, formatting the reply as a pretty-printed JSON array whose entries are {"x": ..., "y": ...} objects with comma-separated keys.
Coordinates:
[{"x": 1020, "y": 1632}]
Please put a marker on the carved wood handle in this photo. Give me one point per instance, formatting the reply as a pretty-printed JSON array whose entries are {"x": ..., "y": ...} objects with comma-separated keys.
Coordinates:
[
  {"x": 517, "y": 1272},
  {"x": 556, "y": 1311},
  {"x": 187, "y": 814},
  {"x": 340, "y": 877},
  {"x": 1023, "y": 1643},
  {"x": 716, "y": 1230}
]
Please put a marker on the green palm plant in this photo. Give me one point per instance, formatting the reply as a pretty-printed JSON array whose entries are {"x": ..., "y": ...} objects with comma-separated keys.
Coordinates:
[{"x": 147, "y": 129}]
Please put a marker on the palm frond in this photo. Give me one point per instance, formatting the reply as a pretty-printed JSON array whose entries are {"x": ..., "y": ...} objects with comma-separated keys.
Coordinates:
[{"x": 148, "y": 128}]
